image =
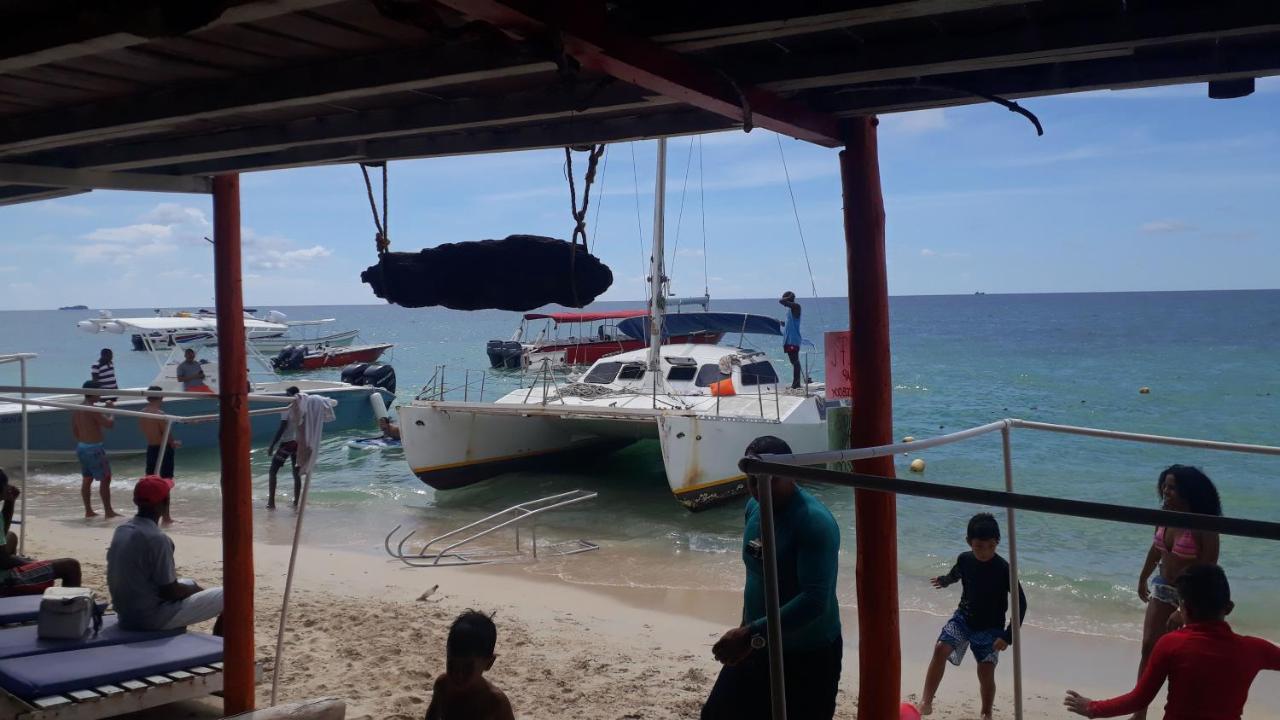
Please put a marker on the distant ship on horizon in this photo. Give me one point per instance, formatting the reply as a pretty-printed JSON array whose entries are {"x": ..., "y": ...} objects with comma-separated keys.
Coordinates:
[{"x": 74, "y": 307}]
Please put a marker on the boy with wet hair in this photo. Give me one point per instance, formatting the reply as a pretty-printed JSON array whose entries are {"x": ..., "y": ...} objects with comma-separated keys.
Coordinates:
[
  {"x": 462, "y": 692},
  {"x": 979, "y": 622},
  {"x": 1209, "y": 667}
]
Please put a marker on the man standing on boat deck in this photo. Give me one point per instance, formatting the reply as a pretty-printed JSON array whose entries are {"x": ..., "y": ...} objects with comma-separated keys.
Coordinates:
[
  {"x": 791, "y": 335},
  {"x": 89, "y": 429},
  {"x": 191, "y": 373},
  {"x": 142, "y": 577},
  {"x": 808, "y": 545},
  {"x": 103, "y": 373}
]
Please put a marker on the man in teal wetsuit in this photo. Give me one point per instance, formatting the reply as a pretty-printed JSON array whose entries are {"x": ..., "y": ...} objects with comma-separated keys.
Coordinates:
[{"x": 808, "y": 544}]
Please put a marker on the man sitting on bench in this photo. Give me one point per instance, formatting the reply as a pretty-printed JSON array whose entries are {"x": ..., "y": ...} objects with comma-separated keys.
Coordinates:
[
  {"x": 141, "y": 574},
  {"x": 21, "y": 575}
]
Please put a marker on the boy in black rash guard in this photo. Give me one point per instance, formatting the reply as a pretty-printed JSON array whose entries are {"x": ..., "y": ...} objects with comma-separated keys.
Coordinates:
[{"x": 979, "y": 622}]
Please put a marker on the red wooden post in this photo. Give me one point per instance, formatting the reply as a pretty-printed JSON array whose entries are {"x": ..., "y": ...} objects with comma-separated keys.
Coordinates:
[
  {"x": 879, "y": 649},
  {"x": 234, "y": 440}
]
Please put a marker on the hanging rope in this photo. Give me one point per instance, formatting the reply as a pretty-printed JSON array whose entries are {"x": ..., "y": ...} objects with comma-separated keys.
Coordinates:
[
  {"x": 604, "y": 175},
  {"x": 382, "y": 240},
  {"x": 580, "y": 215}
]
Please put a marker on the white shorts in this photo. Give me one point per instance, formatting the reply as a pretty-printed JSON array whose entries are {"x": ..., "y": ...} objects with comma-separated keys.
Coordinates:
[{"x": 204, "y": 605}]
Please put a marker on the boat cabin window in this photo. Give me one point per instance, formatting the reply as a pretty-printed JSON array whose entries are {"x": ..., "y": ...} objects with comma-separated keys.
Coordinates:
[
  {"x": 759, "y": 373},
  {"x": 682, "y": 372},
  {"x": 709, "y": 374},
  {"x": 603, "y": 373},
  {"x": 631, "y": 371}
]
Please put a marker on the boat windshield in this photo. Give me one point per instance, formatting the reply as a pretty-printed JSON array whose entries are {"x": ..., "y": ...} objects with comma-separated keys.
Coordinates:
[{"x": 759, "y": 373}]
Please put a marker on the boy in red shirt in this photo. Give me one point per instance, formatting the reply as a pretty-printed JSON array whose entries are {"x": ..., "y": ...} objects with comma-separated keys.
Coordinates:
[{"x": 1204, "y": 654}]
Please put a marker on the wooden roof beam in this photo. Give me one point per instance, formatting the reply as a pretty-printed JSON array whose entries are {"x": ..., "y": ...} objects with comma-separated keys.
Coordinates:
[
  {"x": 113, "y": 27},
  {"x": 44, "y": 176},
  {"x": 526, "y": 137},
  {"x": 1084, "y": 38},
  {"x": 714, "y": 37},
  {"x": 646, "y": 64},
  {"x": 18, "y": 194},
  {"x": 1210, "y": 63},
  {"x": 326, "y": 82},
  {"x": 535, "y": 106}
]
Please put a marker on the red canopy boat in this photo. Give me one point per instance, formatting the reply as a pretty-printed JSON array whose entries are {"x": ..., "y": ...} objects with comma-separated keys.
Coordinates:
[{"x": 581, "y": 347}]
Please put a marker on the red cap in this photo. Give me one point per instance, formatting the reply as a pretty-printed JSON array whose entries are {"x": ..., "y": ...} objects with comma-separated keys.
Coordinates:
[{"x": 152, "y": 490}]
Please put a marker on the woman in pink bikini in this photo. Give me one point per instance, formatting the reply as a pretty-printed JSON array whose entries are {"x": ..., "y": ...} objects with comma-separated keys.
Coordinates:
[{"x": 1182, "y": 488}]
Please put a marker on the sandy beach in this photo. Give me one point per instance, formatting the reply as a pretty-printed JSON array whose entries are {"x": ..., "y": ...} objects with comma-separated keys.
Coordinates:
[{"x": 360, "y": 628}]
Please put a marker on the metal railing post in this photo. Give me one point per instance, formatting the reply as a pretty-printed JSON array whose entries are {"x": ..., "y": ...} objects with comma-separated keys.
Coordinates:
[
  {"x": 772, "y": 606},
  {"x": 1015, "y": 599},
  {"x": 484, "y": 375},
  {"x": 26, "y": 442},
  {"x": 466, "y": 385}
]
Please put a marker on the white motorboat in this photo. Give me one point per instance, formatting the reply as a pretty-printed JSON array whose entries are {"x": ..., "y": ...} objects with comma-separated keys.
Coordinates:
[
  {"x": 50, "y": 438},
  {"x": 704, "y": 404}
]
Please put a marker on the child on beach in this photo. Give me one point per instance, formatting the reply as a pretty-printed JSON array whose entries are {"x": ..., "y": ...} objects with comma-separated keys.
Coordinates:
[
  {"x": 979, "y": 622},
  {"x": 462, "y": 692},
  {"x": 1209, "y": 667}
]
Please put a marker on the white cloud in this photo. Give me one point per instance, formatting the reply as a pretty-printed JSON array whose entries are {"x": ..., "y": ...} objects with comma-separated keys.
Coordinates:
[
  {"x": 174, "y": 214},
  {"x": 1165, "y": 227},
  {"x": 689, "y": 252},
  {"x": 289, "y": 259},
  {"x": 915, "y": 123},
  {"x": 926, "y": 252},
  {"x": 141, "y": 232}
]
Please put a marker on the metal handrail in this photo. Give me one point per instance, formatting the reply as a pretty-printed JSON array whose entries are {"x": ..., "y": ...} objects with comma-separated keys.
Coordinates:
[
  {"x": 793, "y": 466},
  {"x": 522, "y": 511}
]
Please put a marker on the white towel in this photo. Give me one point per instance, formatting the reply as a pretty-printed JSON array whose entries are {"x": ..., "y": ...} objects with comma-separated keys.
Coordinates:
[{"x": 308, "y": 414}]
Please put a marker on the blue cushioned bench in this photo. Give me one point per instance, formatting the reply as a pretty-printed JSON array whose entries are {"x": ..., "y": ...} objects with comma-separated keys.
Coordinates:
[
  {"x": 38, "y": 676},
  {"x": 24, "y": 609},
  {"x": 23, "y": 641}
]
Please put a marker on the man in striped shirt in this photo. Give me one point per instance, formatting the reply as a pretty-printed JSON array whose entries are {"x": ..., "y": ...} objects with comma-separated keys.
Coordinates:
[{"x": 103, "y": 373}]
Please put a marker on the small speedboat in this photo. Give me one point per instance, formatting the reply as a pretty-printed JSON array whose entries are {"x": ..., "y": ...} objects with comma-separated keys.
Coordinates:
[{"x": 313, "y": 357}]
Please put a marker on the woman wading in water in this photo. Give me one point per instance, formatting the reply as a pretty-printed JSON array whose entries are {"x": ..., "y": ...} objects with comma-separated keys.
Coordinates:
[{"x": 1182, "y": 488}]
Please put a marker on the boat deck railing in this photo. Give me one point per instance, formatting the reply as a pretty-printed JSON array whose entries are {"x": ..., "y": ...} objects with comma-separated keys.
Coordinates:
[
  {"x": 803, "y": 467},
  {"x": 452, "y": 554},
  {"x": 544, "y": 382}
]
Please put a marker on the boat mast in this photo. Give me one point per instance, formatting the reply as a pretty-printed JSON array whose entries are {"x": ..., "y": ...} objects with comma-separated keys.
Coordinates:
[{"x": 657, "y": 281}]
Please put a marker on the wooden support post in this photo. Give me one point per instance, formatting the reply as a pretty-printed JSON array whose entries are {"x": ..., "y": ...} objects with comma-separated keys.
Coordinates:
[
  {"x": 234, "y": 440},
  {"x": 879, "y": 648}
]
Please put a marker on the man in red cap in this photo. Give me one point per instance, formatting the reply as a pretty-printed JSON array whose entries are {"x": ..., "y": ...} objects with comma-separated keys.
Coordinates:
[{"x": 145, "y": 588}]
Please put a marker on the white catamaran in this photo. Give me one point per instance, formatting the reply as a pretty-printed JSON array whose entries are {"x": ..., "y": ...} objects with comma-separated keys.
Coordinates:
[{"x": 703, "y": 403}]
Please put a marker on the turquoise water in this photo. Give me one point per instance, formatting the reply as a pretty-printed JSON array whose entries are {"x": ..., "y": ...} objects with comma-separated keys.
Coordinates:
[{"x": 1209, "y": 359}]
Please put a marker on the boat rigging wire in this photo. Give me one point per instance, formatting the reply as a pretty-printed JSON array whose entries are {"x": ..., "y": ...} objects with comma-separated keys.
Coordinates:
[
  {"x": 635, "y": 179},
  {"x": 702, "y": 210},
  {"x": 675, "y": 248},
  {"x": 795, "y": 210},
  {"x": 604, "y": 174}
]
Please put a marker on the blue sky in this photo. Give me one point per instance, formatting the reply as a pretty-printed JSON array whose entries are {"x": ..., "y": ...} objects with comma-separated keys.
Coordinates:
[{"x": 1158, "y": 189}]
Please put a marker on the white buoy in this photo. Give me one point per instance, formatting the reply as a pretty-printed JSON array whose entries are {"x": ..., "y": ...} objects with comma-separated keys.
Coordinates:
[
  {"x": 917, "y": 465},
  {"x": 1144, "y": 390},
  {"x": 909, "y": 438}
]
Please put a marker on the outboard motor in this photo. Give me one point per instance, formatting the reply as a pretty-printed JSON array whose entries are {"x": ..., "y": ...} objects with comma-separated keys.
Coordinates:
[
  {"x": 297, "y": 357},
  {"x": 380, "y": 376},
  {"x": 353, "y": 374},
  {"x": 504, "y": 354},
  {"x": 290, "y": 357},
  {"x": 281, "y": 357}
]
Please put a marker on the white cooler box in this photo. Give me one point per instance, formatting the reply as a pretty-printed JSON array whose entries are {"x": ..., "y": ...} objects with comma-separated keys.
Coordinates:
[{"x": 67, "y": 614}]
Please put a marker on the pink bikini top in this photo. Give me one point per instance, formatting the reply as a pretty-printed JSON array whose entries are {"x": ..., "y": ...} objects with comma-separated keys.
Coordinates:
[{"x": 1184, "y": 547}]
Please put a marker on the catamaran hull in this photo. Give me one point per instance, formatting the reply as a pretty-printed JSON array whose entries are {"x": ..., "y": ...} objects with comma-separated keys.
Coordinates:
[
  {"x": 50, "y": 439},
  {"x": 452, "y": 445}
]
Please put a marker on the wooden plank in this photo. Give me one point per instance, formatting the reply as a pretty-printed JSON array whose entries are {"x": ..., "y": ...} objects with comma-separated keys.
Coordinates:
[
  {"x": 157, "y": 679},
  {"x": 133, "y": 685},
  {"x": 19, "y": 174},
  {"x": 84, "y": 695},
  {"x": 367, "y": 17},
  {"x": 92, "y": 33},
  {"x": 317, "y": 31},
  {"x": 180, "y": 675},
  {"x": 108, "y": 690},
  {"x": 707, "y": 38},
  {"x": 413, "y": 69},
  {"x": 14, "y": 194},
  {"x": 201, "y": 670},
  {"x": 1083, "y": 37},
  {"x": 538, "y": 106},
  {"x": 675, "y": 121},
  {"x": 51, "y": 701}
]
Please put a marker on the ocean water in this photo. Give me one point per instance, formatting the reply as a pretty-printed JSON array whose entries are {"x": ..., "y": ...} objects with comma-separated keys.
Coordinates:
[{"x": 959, "y": 361}]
